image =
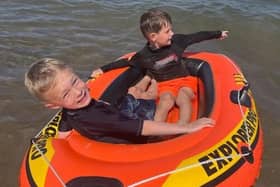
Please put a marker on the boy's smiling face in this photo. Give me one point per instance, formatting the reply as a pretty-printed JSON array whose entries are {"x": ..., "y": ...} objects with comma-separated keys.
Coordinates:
[
  {"x": 68, "y": 91},
  {"x": 162, "y": 38}
]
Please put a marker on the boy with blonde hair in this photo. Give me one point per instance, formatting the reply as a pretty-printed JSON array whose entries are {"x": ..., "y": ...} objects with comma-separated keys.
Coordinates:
[{"x": 57, "y": 86}]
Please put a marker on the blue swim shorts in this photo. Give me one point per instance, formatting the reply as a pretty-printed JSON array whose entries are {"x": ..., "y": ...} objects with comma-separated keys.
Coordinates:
[{"x": 137, "y": 108}]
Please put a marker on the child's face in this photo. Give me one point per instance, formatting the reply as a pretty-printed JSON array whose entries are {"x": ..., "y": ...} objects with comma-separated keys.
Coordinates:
[
  {"x": 68, "y": 91},
  {"x": 163, "y": 37}
]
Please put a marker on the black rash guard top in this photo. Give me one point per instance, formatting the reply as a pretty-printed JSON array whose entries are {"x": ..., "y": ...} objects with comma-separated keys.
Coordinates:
[
  {"x": 102, "y": 122},
  {"x": 164, "y": 63}
]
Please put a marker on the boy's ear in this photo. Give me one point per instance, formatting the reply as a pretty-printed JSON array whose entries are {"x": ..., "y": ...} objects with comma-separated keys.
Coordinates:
[
  {"x": 152, "y": 37},
  {"x": 51, "y": 106}
]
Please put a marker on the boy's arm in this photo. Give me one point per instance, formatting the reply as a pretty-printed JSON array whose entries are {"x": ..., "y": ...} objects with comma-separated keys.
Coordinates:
[
  {"x": 189, "y": 39},
  {"x": 162, "y": 128},
  {"x": 120, "y": 63},
  {"x": 124, "y": 62}
]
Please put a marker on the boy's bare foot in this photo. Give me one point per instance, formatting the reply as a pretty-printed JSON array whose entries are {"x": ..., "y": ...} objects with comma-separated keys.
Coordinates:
[
  {"x": 144, "y": 89},
  {"x": 143, "y": 84},
  {"x": 140, "y": 88},
  {"x": 152, "y": 90}
]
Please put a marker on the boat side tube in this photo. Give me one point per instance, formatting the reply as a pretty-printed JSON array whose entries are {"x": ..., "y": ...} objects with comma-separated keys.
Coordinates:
[{"x": 202, "y": 70}]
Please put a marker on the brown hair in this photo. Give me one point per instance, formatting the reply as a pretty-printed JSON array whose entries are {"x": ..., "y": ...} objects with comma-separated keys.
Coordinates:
[
  {"x": 153, "y": 20},
  {"x": 41, "y": 75}
]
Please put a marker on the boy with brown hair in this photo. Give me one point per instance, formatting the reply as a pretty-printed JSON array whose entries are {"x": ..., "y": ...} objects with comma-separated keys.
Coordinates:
[
  {"x": 161, "y": 58},
  {"x": 57, "y": 86}
]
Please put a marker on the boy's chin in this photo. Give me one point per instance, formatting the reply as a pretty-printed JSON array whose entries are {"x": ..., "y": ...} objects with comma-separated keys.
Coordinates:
[
  {"x": 167, "y": 44},
  {"x": 85, "y": 102}
]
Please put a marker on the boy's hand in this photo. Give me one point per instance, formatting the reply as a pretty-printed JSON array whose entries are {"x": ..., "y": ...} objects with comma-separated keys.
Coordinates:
[
  {"x": 224, "y": 35},
  {"x": 199, "y": 124},
  {"x": 96, "y": 73}
]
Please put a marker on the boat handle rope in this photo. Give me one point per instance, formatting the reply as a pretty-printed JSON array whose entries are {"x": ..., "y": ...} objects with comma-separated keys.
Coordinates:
[
  {"x": 33, "y": 141},
  {"x": 185, "y": 168},
  {"x": 179, "y": 169},
  {"x": 244, "y": 155},
  {"x": 48, "y": 162},
  {"x": 239, "y": 95},
  {"x": 243, "y": 116}
]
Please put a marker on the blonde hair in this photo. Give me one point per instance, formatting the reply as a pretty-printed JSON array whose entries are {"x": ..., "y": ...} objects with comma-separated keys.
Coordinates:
[
  {"x": 41, "y": 76},
  {"x": 153, "y": 20}
]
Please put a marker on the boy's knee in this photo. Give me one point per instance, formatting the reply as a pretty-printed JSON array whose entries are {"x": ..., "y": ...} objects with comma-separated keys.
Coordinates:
[
  {"x": 187, "y": 92},
  {"x": 167, "y": 96},
  {"x": 167, "y": 100}
]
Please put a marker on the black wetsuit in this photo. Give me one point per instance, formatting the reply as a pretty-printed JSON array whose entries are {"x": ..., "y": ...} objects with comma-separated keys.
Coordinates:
[
  {"x": 103, "y": 122},
  {"x": 164, "y": 63}
]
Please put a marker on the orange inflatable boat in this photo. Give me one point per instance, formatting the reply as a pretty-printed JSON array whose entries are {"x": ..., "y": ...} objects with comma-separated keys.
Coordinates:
[{"x": 229, "y": 154}]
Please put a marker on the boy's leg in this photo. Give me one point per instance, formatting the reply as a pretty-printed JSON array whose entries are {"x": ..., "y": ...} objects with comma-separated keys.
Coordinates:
[
  {"x": 183, "y": 101},
  {"x": 166, "y": 102}
]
